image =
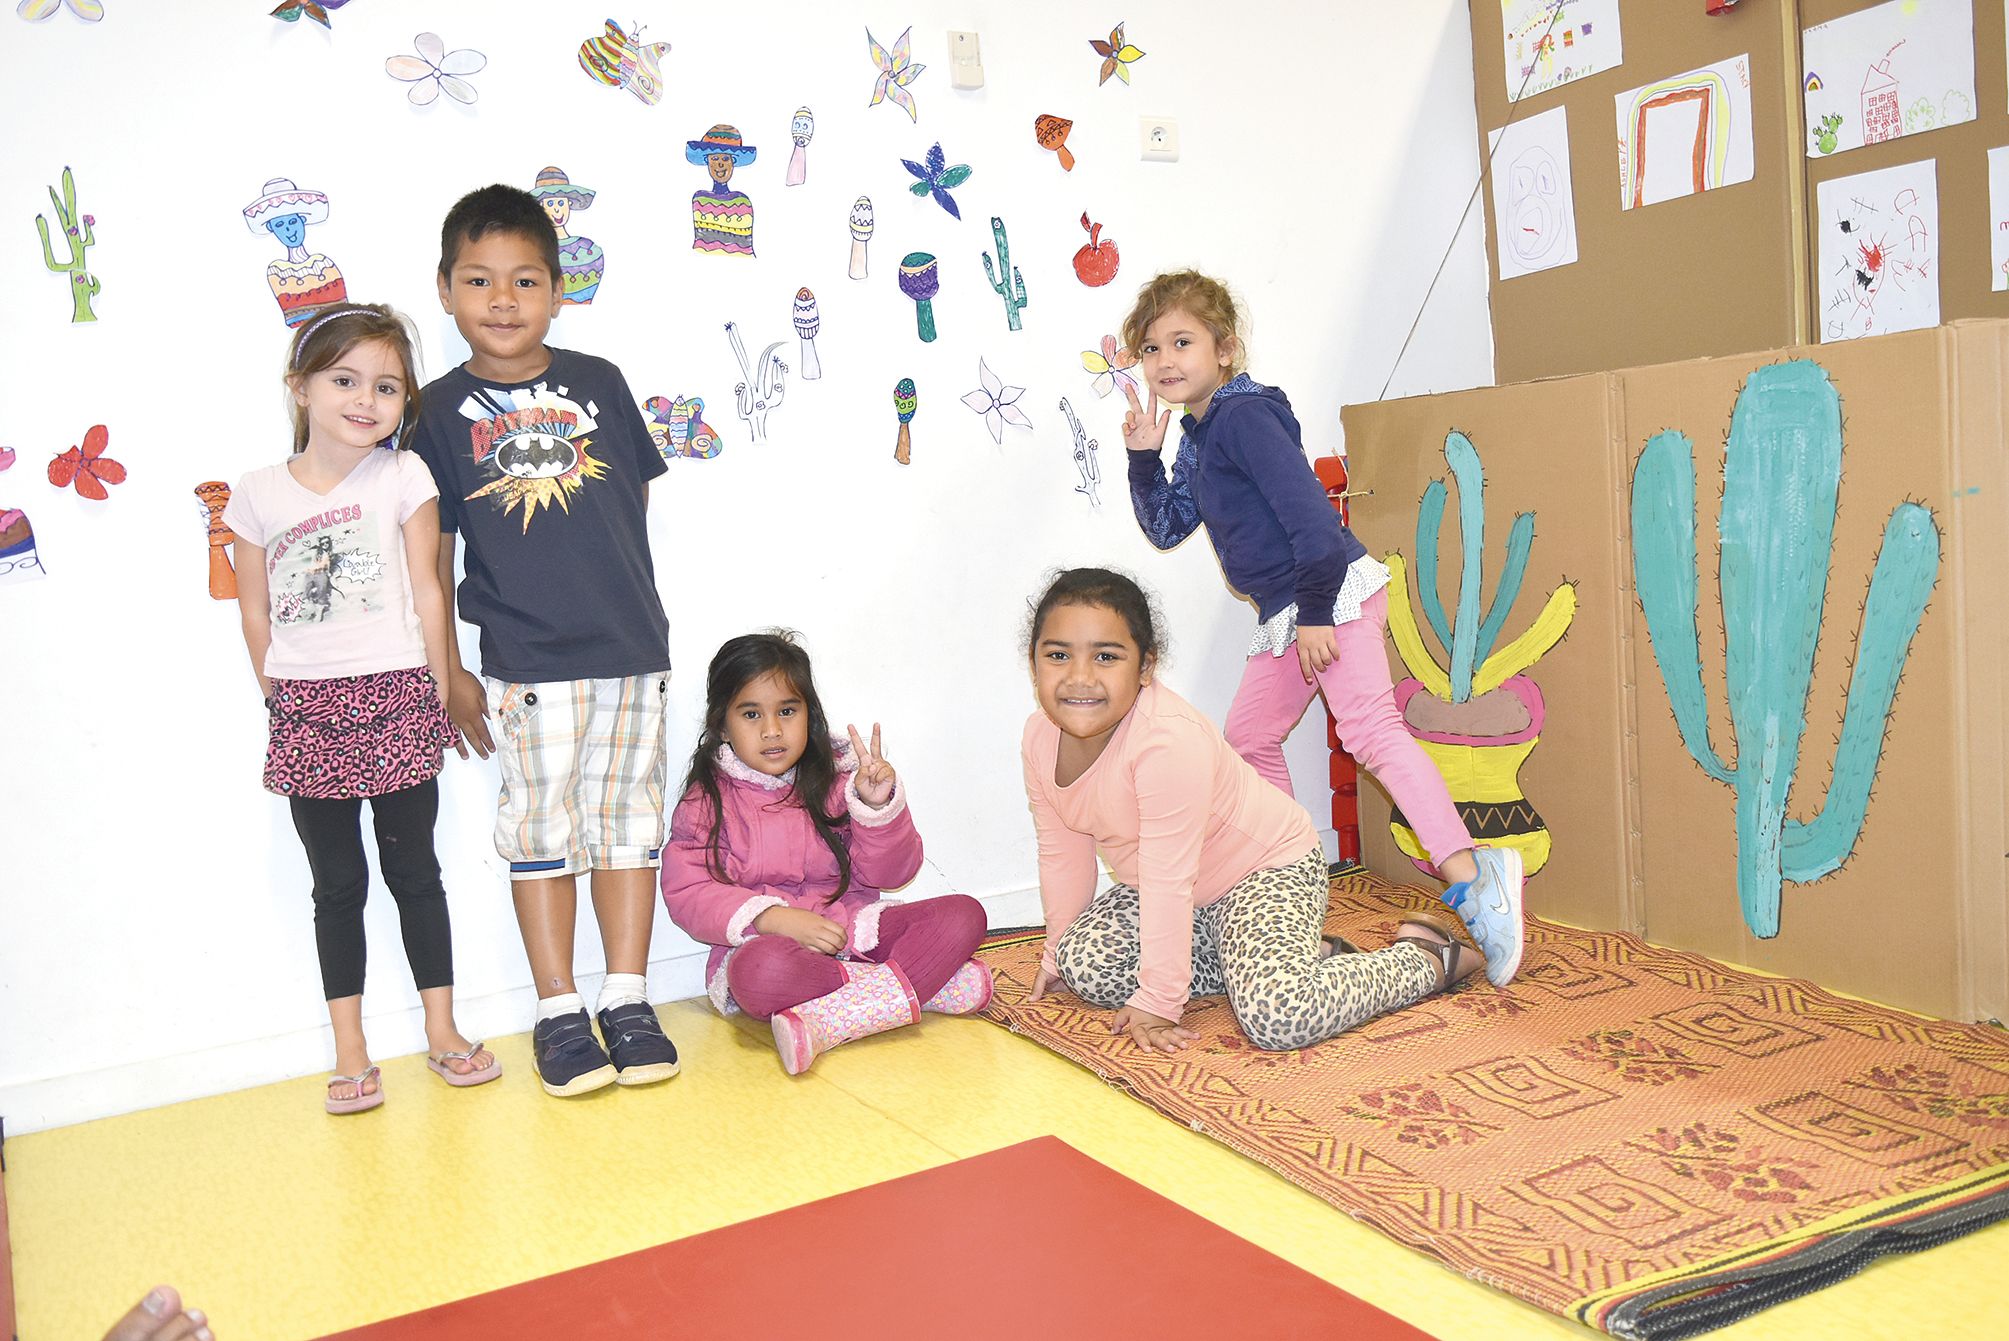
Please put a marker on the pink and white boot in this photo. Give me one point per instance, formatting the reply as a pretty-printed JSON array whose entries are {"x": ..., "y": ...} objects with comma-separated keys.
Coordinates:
[
  {"x": 875, "y": 998},
  {"x": 966, "y": 992}
]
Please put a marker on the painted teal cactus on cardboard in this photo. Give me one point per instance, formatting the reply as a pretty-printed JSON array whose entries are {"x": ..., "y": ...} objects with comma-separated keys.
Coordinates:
[
  {"x": 1782, "y": 468},
  {"x": 78, "y": 233}
]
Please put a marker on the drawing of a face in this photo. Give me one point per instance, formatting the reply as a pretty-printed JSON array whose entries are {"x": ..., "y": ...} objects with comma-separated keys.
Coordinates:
[
  {"x": 721, "y": 167},
  {"x": 290, "y": 229},
  {"x": 560, "y": 210},
  {"x": 1535, "y": 215}
]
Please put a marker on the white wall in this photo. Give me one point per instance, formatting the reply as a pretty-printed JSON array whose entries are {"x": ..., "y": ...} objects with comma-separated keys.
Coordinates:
[{"x": 155, "y": 940}]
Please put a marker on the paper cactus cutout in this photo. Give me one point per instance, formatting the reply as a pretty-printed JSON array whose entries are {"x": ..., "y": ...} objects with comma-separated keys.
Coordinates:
[
  {"x": 79, "y": 231},
  {"x": 808, "y": 320},
  {"x": 1013, "y": 292},
  {"x": 921, "y": 280},
  {"x": 1782, "y": 466},
  {"x": 1475, "y": 667},
  {"x": 761, "y": 386},
  {"x": 861, "y": 233},
  {"x": 905, "y": 402}
]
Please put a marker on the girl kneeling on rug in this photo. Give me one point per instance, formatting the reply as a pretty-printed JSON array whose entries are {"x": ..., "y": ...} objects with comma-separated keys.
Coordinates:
[
  {"x": 777, "y": 854},
  {"x": 1222, "y": 883}
]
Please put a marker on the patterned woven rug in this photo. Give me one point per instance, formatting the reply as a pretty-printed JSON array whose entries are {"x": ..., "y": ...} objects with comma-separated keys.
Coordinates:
[{"x": 1644, "y": 1140}]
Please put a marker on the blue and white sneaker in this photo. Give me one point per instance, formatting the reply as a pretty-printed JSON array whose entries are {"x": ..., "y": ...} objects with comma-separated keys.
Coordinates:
[{"x": 1491, "y": 908}]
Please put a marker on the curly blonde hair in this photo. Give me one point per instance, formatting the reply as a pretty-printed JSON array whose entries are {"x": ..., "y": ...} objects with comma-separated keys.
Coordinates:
[{"x": 1204, "y": 298}]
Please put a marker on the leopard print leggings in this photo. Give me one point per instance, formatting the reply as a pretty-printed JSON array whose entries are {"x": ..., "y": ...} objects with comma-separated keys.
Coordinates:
[{"x": 1258, "y": 944}]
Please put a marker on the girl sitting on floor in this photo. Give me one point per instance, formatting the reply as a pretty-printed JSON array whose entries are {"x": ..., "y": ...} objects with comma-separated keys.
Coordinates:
[
  {"x": 1222, "y": 884},
  {"x": 778, "y": 850}
]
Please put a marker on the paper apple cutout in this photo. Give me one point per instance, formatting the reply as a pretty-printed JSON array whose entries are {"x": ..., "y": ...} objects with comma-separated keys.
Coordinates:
[{"x": 1095, "y": 264}]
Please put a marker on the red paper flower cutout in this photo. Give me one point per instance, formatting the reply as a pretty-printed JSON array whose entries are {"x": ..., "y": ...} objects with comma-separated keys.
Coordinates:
[{"x": 88, "y": 467}]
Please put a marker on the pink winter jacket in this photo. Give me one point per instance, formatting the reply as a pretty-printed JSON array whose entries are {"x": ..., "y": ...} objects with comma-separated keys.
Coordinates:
[{"x": 773, "y": 857}]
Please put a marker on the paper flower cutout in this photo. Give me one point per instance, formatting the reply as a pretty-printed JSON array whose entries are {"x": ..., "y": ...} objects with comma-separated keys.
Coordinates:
[
  {"x": 435, "y": 69},
  {"x": 1116, "y": 56},
  {"x": 1111, "y": 367},
  {"x": 88, "y": 468},
  {"x": 896, "y": 71},
  {"x": 294, "y": 10},
  {"x": 90, "y": 11},
  {"x": 938, "y": 179},
  {"x": 996, "y": 402}
]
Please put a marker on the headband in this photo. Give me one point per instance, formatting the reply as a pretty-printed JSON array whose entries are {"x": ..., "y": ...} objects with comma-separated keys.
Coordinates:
[{"x": 333, "y": 314}]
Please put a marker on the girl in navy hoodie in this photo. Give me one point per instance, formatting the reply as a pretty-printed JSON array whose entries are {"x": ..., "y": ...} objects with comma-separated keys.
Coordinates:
[{"x": 1322, "y": 602}]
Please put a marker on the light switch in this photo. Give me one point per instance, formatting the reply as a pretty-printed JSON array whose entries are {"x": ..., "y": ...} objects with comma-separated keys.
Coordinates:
[
  {"x": 966, "y": 61},
  {"x": 1159, "y": 136}
]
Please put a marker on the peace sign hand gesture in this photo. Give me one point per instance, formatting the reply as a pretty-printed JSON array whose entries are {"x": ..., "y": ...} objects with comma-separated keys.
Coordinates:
[
  {"x": 875, "y": 777},
  {"x": 1144, "y": 430}
]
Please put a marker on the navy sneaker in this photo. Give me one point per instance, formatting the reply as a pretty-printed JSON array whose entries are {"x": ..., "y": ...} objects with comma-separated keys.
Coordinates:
[
  {"x": 1492, "y": 910},
  {"x": 569, "y": 1059},
  {"x": 643, "y": 1053}
]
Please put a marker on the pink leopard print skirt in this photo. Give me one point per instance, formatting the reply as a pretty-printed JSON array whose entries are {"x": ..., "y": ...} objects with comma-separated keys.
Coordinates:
[{"x": 355, "y": 735}]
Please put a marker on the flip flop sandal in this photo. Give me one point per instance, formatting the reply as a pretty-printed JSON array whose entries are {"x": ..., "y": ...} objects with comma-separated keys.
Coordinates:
[
  {"x": 1446, "y": 956},
  {"x": 462, "y": 1079},
  {"x": 361, "y": 1103},
  {"x": 1340, "y": 945}
]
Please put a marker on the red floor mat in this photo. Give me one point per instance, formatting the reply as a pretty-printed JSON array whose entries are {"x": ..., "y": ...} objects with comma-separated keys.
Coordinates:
[{"x": 1035, "y": 1240}]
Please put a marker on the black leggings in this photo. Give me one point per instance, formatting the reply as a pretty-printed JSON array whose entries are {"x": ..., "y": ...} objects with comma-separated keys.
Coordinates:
[{"x": 332, "y": 832}]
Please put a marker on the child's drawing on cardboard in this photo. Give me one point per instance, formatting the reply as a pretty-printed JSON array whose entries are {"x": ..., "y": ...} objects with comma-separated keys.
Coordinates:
[
  {"x": 1896, "y": 69},
  {"x": 1480, "y": 717},
  {"x": 19, "y": 560},
  {"x": 301, "y": 280},
  {"x": 620, "y": 59},
  {"x": 721, "y": 218},
  {"x": 1684, "y": 134},
  {"x": 1782, "y": 470},
  {"x": 1879, "y": 252},
  {"x": 582, "y": 263},
  {"x": 1548, "y": 43}
]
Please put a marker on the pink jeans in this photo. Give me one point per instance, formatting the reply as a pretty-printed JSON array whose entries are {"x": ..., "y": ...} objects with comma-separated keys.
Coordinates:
[
  {"x": 928, "y": 940},
  {"x": 1361, "y": 696}
]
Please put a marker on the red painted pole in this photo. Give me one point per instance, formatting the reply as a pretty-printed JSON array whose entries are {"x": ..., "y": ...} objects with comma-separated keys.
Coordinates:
[{"x": 1345, "y": 774}]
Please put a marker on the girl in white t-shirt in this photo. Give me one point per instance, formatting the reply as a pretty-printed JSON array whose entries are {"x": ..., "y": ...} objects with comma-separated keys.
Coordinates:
[{"x": 346, "y": 621}]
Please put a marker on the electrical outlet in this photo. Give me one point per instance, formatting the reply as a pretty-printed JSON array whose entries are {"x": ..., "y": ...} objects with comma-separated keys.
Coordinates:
[
  {"x": 1159, "y": 136},
  {"x": 966, "y": 61}
]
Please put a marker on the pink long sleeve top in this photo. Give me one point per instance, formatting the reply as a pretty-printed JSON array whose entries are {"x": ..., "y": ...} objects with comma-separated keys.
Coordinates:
[
  {"x": 774, "y": 858},
  {"x": 1175, "y": 812}
]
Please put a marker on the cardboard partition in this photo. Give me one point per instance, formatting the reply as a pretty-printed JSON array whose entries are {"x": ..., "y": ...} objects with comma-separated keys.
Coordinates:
[{"x": 1640, "y": 836}]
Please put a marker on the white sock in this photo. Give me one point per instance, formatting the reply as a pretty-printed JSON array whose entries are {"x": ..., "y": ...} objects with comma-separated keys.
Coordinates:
[
  {"x": 551, "y": 1007},
  {"x": 621, "y": 988}
]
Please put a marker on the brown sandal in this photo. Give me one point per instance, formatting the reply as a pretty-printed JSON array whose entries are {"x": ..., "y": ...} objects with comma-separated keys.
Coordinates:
[{"x": 1453, "y": 960}]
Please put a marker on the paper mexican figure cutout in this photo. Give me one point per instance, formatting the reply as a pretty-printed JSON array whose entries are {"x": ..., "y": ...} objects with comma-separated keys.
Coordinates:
[
  {"x": 996, "y": 402},
  {"x": 1782, "y": 476},
  {"x": 938, "y": 178},
  {"x": 622, "y": 60},
  {"x": 18, "y": 559},
  {"x": 1481, "y": 720},
  {"x": 762, "y": 384},
  {"x": 721, "y": 218},
  {"x": 921, "y": 280},
  {"x": 1086, "y": 461},
  {"x": 896, "y": 71},
  {"x": 678, "y": 428},
  {"x": 1006, "y": 281},
  {"x": 79, "y": 233},
  {"x": 1051, "y": 132},
  {"x": 301, "y": 280},
  {"x": 87, "y": 467},
  {"x": 295, "y": 10},
  {"x": 581, "y": 261},
  {"x": 905, "y": 402},
  {"x": 1095, "y": 264},
  {"x": 214, "y": 496},
  {"x": 800, "y": 129},
  {"x": 808, "y": 320},
  {"x": 435, "y": 70},
  {"x": 861, "y": 233},
  {"x": 1116, "y": 56}
]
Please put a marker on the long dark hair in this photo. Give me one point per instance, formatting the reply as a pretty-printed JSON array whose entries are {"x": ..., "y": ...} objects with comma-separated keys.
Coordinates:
[{"x": 737, "y": 664}]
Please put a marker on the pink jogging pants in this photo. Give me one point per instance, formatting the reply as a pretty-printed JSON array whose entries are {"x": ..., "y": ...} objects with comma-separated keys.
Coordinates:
[{"x": 1358, "y": 690}]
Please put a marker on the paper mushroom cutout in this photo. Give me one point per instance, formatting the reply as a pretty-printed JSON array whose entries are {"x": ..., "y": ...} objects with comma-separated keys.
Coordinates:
[
  {"x": 904, "y": 404},
  {"x": 1051, "y": 132},
  {"x": 921, "y": 280},
  {"x": 807, "y": 322},
  {"x": 861, "y": 233}
]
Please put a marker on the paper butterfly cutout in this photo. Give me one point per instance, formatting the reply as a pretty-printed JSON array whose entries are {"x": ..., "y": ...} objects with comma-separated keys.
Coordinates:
[
  {"x": 1111, "y": 367},
  {"x": 293, "y": 10},
  {"x": 678, "y": 428},
  {"x": 996, "y": 402},
  {"x": 938, "y": 179},
  {"x": 435, "y": 69},
  {"x": 88, "y": 468},
  {"x": 1117, "y": 55},
  {"x": 90, "y": 11},
  {"x": 896, "y": 71}
]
